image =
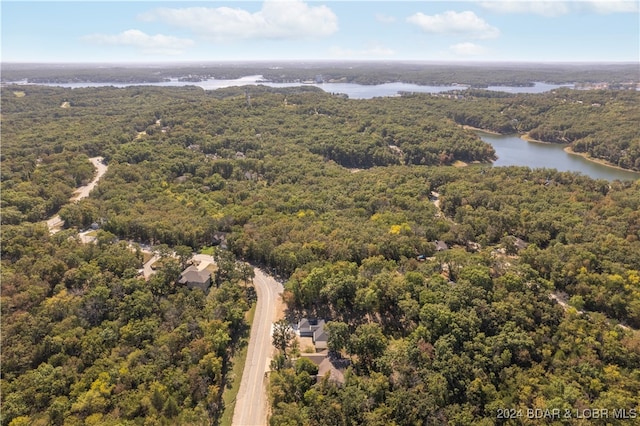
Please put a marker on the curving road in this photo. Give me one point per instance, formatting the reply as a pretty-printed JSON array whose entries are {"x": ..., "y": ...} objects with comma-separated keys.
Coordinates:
[
  {"x": 84, "y": 191},
  {"x": 55, "y": 223},
  {"x": 251, "y": 403}
]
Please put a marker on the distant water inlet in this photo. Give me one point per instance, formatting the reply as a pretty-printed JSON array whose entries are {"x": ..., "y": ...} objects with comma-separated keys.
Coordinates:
[
  {"x": 353, "y": 90},
  {"x": 512, "y": 150}
]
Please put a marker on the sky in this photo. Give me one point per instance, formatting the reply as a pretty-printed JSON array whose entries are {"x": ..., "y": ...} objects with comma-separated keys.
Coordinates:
[{"x": 212, "y": 31}]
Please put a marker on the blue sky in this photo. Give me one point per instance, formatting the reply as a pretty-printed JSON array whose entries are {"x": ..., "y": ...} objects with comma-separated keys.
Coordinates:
[{"x": 161, "y": 31}]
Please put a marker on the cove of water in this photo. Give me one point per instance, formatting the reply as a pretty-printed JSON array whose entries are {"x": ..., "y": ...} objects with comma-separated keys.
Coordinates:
[{"x": 511, "y": 150}]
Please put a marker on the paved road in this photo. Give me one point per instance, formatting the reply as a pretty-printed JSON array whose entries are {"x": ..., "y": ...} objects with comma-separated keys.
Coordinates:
[
  {"x": 84, "y": 191},
  {"x": 55, "y": 223},
  {"x": 251, "y": 403}
]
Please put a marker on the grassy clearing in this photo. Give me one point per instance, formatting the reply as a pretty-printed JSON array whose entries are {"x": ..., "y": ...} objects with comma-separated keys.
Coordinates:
[
  {"x": 231, "y": 392},
  {"x": 207, "y": 250}
]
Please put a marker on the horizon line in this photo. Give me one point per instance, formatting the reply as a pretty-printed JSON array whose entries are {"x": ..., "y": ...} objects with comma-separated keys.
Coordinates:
[{"x": 262, "y": 61}]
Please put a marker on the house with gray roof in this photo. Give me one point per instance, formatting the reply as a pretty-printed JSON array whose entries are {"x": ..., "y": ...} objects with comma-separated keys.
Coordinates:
[
  {"x": 334, "y": 368},
  {"x": 193, "y": 278},
  {"x": 320, "y": 337},
  {"x": 308, "y": 326},
  {"x": 441, "y": 245},
  {"x": 328, "y": 365}
]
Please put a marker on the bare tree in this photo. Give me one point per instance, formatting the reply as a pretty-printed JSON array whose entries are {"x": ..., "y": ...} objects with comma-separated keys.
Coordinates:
[{"x": 282, "y": 335}]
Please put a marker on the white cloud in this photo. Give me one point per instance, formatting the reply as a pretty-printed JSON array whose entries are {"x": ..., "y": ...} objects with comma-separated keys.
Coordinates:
[
  {"x": 457, "y": 23},
  {"x": 467, "y": 49},
  {"x": 385, "y": 19},
  {"x": 148, "y": 44},
  {"x": 559, "y": 8},
  {"x": 544, "y": 8},
  {"x": 371, "y": 52},
  {"x": 614, "y": 6},
  {"x": 278, "y": 19}
]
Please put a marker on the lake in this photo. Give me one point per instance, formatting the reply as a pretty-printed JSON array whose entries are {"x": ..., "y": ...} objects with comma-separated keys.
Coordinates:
[
  {"x": 512, "y": 150},
  {"x": 353, "y": 90}
]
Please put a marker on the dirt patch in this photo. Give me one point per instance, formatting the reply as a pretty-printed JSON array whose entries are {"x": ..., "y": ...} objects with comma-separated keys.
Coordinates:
[
  {"x": 477, "y": 129},
  {"x": 306, "y": 345},
  {"x": 55, "y": 224},
  {"x": 281, "y": 307}
]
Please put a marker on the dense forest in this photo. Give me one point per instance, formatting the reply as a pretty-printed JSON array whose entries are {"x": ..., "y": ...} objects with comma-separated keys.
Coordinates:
[
  {"x": 344, "y": 199},
  {"x": 86, "y": 341}
]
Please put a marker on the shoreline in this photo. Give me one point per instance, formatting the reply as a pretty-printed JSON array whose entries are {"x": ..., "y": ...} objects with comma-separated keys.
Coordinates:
[
  {"x": 526, "y": 137},
  {"x": 567, "y": 149},
  {"x": 586, "y": 156}
]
